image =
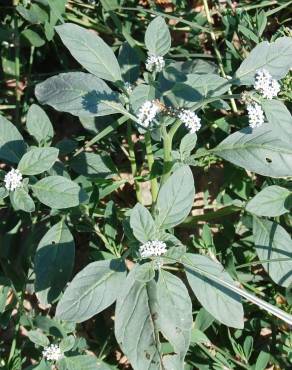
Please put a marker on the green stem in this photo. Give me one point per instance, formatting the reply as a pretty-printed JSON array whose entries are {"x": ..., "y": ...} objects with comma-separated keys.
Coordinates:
[
  {"x": 132, "y": 159},
  {"x": 217, "y": 51},
  {"x": 17, "y": 65},
  {"x": 167, "y": 146},
  {"x": 150, "y": 159}
]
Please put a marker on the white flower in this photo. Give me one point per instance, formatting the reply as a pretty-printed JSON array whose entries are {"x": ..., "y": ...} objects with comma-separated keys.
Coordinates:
[
  {"x": 152, "y": 248},
  {"x": 13, "y": 179},
  {"x": 128, "y": 87},
  {"x": 190, "y": 119},
  {"x": 53, "y": 353},
  {"x": 155, "y": 63},
  {"x": 265, "y": 84},
  {"x": 147, "y": 113},
  {"x": 255, "y": 115}
]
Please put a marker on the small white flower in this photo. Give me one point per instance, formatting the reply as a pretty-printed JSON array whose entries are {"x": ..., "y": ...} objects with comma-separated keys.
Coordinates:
[
  {"x": 255, "y": 115},
  {"x": 152, "y": 248},
  {"x": 147, "y": 113},
  {"x": 53, "y": 353},
  {"x": 128, "y": 87},
  {"x": 155, "y": 63},
  {"x": 13, "y": 180},
  {"x": 190, "y": 119},
  {"x": 265, "y": 84}
]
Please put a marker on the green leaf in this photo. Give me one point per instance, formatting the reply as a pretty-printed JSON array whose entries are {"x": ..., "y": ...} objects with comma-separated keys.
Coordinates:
[
  {"x": 273, "y": 242},
  {"x": 142, "y": 224},
  {"x": 81, "y": 362},
  {"x": 38, "y": 160},
  {"x": 262, "y": 361},
  {"x": 174, "y": 312},
  {"x": 136, "y": 327},
  {"x": 78, "y": 93},
  {"x": 198, "y": 87},
  {"x": 279, "y": 118},
  {"x": 38, "y": 338},
  {"x": 93, "y": 165},
  {"x": 39, "y": 125},
  {"x": 12, "y": 145},
  {"x": 275, "y": 57},
  {"x": 272, "y": 201},
  {"x": 92, "y": 290},
  {"x": 259, "y": 150},
  {"x": 90, "y": 51},
  {"x": 157, "y": 37},
  {"x": 54, "y": 261},
  {"x": 224, "y": 304},
  {"x": 175, "y": 199},
  {"x": 140, "y": 94},
  {"x": 67, "y": 343},
  {"x": 21, "y": 200},
  {"x": 129, "y": 62},
  {"x": 3, "y": 192},
  {"x": 32, "y": 38},
  {"x": 57, "y": 192},
  {"x": 187, "y": 144}
]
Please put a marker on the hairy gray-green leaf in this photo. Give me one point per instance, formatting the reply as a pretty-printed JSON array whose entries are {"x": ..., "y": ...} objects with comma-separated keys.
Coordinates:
[
  {"x": 90, "y": 51},
  {"x": 54, "y": 261},
  {"x": 92, "y": 290},
  {"x": 81, "y": 362},
  {"x": 175, "y": 198},
  {"x": 259, "y": 150},
  {"x": 21, "y": 200},
  {"x": 157, "y": 37},
  {"x": 174, "y": 312},
  {"x": 57, "y": 192},
  {"x": 12, "y": 145},
  {"x": 78, "y": 93},
  {"x": 279, "y": 118},
  {"x": 93, "y": 165},
  {"x": 272, "y": 201},
  {"x": 129, "y": 62},
  {"x": 39, "y": 125},
  {"x": 273, "y": 242},
  {"x": 221, "y": 302},
  {"x": 142, "y": 223},
  {"x": 135, "y": 325},
  {"x": 38, "y": 338},
  {"x": 67, "y": 343},
  {"x": 275, "y": 57},
  {"x": 187, "y": 144},
  {"x": 38, "y": 160},
  {"x": 198, "y": 87}
]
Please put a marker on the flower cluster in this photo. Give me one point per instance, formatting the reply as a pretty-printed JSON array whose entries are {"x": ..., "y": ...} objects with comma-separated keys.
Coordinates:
[
  {"x": 152, "y": 248},
  {"x": 265, "y": 84},
  {"x": 147, "y": 113},
  {"x": 155, "y": 63},
  {"x": 13, "y": 180},
  {"x": 53, "y": 353},
  {"x": 255, "y": 115},
  {"x": 190, "y": 119}
]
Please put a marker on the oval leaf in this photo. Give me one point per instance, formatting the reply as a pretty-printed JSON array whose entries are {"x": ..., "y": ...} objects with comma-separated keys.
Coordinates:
[
  {"x": 273, "y": 242},
  {"x": 54, "y": 261},
  {"x": 57, "y": 192},
  {"x": 38, "y": 160},
  {"x": 258, "y": 150},
  {"x": 219, "y": 301},
  {"x": 39, "y": 125},
  {"x": 78, "y": 93},
  {"x": 175, "y": 199},
  {"x": 157, "y": 37},
  {"x": 270, "y": 202},
  {"x": 12, "y": 145},
  {"x": 142, "y": 223},
  {"x": 90, "y": 51},
  {"x": 21, "y": 200},
  {"x": 92, "y": 290}
]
